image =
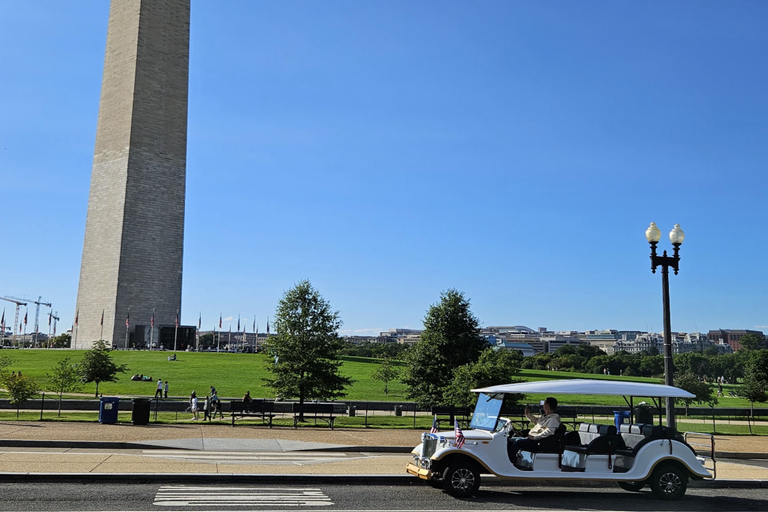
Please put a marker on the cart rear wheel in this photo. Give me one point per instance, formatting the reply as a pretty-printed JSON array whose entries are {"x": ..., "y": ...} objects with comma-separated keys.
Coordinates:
[{"x": 668, "y": 482}]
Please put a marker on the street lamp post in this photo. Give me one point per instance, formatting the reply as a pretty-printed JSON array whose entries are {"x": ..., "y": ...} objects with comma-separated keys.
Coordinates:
[{"x": 676, "y": 236}]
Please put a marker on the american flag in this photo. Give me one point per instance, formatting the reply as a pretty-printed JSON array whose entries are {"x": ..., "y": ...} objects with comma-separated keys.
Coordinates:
[
  {"x": 128, "y": 320},
  {"x": 459, "y": 434},
  {"x": 433, "y": 430},
  {"x": 102, "y": 318}
]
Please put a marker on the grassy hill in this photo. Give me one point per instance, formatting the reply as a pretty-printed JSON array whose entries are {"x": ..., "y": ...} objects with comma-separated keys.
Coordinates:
[{"x": 234, "y": 374}]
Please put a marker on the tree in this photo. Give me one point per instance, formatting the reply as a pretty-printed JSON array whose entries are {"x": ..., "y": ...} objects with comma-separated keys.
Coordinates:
[
  {"x": 492, "y": 368},
  {"x": 97, "y": 365},
  {"x": 63, "y": 340},
  {"x": 385, "y": 373},
  {"x": 755, "y": 387},
  {"x": 306, "y": 347},
  {"x": 752, "y": 341},
  {"x": 20, "y": 388},
  {"x": 451, "y": 338},
  {"x": 65, "y": 377},
  {"x": 691, "y": 383}
]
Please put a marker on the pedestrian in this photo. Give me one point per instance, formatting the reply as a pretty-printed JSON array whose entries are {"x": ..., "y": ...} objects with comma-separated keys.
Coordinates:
[
  {"x": 165, "y": 391},
  {"x": 159, "y": 390},
  {"x": 193, "y": 405},
  {"x": 215, "y": 405},
  {"x": 247, "y": 402},
  {"x": 207, "y": 408}
]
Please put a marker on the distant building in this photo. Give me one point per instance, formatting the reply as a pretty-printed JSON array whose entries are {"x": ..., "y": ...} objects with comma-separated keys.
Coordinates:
[{"x": 732, "y": 336}]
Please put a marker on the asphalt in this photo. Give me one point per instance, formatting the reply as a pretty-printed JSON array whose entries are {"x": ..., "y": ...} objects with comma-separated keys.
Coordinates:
[{"x": 217, "y": 452}]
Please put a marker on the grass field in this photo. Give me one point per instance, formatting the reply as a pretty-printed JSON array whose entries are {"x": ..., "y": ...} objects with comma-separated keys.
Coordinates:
[{"x": 234, "y": 374}]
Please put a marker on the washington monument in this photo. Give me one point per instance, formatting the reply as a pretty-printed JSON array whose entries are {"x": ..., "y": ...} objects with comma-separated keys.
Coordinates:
[{"x": 134, "y": 231}]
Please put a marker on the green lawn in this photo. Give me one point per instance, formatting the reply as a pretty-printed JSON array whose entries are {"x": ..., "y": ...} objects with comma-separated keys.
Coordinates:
[{"x": 234, "y": 374}]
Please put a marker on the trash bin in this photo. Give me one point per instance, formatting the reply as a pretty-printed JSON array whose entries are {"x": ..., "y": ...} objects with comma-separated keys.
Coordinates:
[
  {"x": 140, "y": 413},
  {"x": 352, "y": 411},
  {"x": 398, "y": 410},
  {"x": 108, "y": 406},
  {"x": 621, "y": 417},
  {"x": 643, "y": 413}
]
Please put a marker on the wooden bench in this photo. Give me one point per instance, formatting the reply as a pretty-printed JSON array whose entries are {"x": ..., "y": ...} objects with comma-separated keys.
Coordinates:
[
  {"x": 259, "y": 408},
  {"x": 451, "y": 414},
  {"x": 313, "y": 411}
]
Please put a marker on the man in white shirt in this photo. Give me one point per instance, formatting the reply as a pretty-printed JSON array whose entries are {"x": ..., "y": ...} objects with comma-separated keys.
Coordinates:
[
  {"x": 159, "y": 390},
  {"x": 544, "y": 426}
]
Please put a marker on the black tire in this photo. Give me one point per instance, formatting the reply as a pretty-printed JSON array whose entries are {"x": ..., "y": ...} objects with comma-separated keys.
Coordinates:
[
  {"x": 668, "y": 482},
  {"x": 461, "y": 479},
  {"x": 632, "y": 486}
]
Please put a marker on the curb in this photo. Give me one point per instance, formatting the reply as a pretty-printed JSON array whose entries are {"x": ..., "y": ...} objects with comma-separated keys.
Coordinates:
[{"x": 400, "y": 480}]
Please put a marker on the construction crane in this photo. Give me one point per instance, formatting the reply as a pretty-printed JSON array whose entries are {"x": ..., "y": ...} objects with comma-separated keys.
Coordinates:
[
  {"x": 52, "y": 316},
  {"x": 16, "y": 320},
  {"x": 37, "y": 312}
]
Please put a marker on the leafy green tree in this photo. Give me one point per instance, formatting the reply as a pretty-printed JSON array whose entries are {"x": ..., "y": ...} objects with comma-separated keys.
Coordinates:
[
  {"x": 97, "y": 365},
  {"x": 492, "y": 368},
  {"x": 693, "y": 384},
  {"x": 755, "y": 387},
  {"x": 451, "y": 338},
  {"x": 5, "y": 362},
  {"x": 63, "y": 340},
  {"x": 306, "y": 347},
  {"x": 20, "y": 388},
  {"x": 385, "y": 373},
  {"x": 65, "y": 377},
  {"x": 752, "y": 341}
]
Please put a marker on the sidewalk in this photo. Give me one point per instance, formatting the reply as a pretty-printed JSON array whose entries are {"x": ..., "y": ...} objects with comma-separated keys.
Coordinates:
[{"x": 84, "y": 451}]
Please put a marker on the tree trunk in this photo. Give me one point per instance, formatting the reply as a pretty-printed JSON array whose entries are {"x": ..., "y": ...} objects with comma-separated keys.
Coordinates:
[{"x": 97, "y": 389}]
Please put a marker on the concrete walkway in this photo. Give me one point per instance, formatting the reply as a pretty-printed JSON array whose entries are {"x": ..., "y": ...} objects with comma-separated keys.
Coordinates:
[{"x": 195, "y": 451}]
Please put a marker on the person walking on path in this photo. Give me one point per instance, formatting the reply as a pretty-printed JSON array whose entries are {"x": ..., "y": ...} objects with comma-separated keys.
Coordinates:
[
  {"x": 193, "y": 406},
  {"x": 215, "y": 404},
  {"x": 165, "y": 391},
  {"x": 159, "y": 390},
  {"x": 207, "y": 408}
]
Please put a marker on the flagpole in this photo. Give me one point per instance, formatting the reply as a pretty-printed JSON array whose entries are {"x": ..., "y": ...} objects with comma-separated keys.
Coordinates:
[
  {"x": 101, "y": 336},
  {"x": 127, "y": 327},
  {"x": 152, "y": 330},
  {"x": 77, "y": 314},
  {"x": 176, "y": 330}
]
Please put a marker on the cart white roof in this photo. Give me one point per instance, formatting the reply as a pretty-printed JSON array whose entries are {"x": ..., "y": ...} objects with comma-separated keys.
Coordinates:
[{"x": 589, "y": 387}]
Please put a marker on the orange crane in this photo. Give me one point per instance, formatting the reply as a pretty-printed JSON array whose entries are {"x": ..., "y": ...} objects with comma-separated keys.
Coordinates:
[{"x": 18, "y": 303}]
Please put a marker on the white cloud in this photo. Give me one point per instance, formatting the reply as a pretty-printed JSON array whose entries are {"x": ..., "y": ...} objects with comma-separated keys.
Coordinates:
[{"x": 229, "y": 319}]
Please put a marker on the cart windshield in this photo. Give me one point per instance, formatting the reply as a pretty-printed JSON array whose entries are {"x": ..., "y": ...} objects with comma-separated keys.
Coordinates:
[{"x": 486, "y": 412}]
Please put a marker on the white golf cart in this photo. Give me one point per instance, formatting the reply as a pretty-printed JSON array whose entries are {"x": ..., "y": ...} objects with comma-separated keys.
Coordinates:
[{"x": 634, "y": 456}]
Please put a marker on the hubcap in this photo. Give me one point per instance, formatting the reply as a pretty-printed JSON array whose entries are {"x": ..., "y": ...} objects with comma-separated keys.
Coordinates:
[
  {"x": 463, "y": 479},
  {"x": 670, "y": 483}
]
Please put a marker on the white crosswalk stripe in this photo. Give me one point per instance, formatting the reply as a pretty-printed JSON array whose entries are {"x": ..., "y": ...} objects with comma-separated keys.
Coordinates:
[
  {"x": 218, "y": 497},
  {"x": 295, "y": 458}
]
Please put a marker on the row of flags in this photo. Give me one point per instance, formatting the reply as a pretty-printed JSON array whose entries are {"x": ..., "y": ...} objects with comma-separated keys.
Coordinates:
[
  {"x": 152, "y": 321},
  {"x": 22, "y": 323},
  {"x": 457, "y": 433}
]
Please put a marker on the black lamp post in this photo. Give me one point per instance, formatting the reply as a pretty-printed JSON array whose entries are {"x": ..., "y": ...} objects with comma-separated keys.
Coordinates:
[{"x": 676, "y": 236}]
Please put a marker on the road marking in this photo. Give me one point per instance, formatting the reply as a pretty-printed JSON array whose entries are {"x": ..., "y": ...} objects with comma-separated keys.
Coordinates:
[
  {"x": 192, "y": 496},
  {"x": 294, "y": 458}
]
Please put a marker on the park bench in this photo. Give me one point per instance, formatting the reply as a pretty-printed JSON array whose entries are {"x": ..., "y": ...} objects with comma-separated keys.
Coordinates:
[
  {"x": 258, "y": 408},
  {"x": 451, "y": 414},
  {"x": 314, "y": 412}
]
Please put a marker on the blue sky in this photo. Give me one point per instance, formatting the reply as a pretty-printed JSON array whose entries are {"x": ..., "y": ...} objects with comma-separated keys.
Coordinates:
[{"x": 390, "y": 150}]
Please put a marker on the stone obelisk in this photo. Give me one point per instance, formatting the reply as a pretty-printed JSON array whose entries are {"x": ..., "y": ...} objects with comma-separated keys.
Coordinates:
[{"x": 134, "y": 231}]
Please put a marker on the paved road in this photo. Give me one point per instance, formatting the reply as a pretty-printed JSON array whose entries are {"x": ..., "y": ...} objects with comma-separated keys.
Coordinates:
[{"x": 200, "y": 498}]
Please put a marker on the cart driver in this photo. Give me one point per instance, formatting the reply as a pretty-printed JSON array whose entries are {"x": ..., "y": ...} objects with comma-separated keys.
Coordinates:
[{"x": 544, "y": 426}]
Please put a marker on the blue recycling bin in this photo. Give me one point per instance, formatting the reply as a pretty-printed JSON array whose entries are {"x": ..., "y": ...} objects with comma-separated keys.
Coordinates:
[
  {"x": 621, "y": 417},
  {"x": 108, "y": 406}
]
